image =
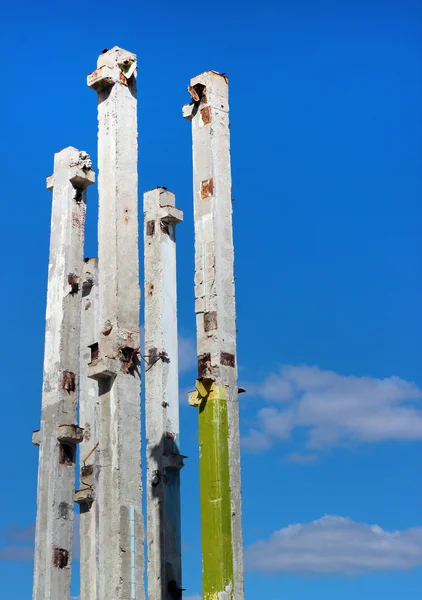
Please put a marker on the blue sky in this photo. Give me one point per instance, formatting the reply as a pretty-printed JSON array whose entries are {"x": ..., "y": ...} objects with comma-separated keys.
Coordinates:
[{"x": 326, "y": 129}]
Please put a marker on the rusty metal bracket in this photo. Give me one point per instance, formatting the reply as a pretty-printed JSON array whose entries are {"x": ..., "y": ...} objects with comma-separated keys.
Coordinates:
[{"x": 90, "y": 453}]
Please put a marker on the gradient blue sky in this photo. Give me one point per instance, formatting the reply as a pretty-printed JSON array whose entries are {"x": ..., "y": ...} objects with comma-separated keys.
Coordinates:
[{"x": 326, "y": 147}]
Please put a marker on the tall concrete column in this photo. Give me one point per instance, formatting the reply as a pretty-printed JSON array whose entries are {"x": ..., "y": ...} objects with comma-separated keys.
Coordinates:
[
  {"x": 89, "y": 420},
  {"x": 162, "y": 397},
  {"x": 217, "y": 391},
  {"x": 115, "y": 356},
  {"x": 59, "y": 432}
]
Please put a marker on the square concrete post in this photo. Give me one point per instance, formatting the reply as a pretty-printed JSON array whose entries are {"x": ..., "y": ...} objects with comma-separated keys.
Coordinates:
[
  {"x": 59, "y": 432},
  {"x": 217, "y": 391},
  {"x": 162, "y": 397},
  {"x": 115, "y": 361},
  {"x": 89, "y": 420}
]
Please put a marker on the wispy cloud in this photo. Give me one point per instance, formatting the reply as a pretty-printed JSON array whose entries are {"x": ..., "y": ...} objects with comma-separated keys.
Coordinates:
[
  {"x": 17, "y": 534},
  {"x": 195, "y": 597},
  {"x": 17, "y": 553},
  {"x": 17, "y": 543},
  {"x": 333, "y": 409},
  {"x": 335, "y": 545},
  {"x": 187, "y": 353},
  {"x": 301, "y": 459}
]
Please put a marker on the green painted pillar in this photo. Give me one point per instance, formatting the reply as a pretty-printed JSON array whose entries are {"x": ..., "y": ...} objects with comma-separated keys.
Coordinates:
[
  {"x": 215, "y": 308},
  {"x": 217, "y": 548}
]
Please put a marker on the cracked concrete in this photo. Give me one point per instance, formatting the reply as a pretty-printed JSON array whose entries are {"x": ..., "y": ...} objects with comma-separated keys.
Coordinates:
[
  {"x": 162, "y": 396},
  {"x": 216, "y": 322},
  {"x": 89, "y": 418},
  {"x": 120, "y": 560},
  {"x": 56, "y": 471}
]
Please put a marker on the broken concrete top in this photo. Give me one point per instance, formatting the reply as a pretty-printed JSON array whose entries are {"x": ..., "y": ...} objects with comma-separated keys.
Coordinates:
[{"x": 116, "y": 57}]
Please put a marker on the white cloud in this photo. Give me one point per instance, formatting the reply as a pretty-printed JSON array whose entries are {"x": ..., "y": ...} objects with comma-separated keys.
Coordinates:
[
  {"x": 17, "y": 543},
  {"x": 17, "y": 553},
  {"x": 18, "y": 534},
  {"x": 187, "y": 353},
  {"x": 336, "y": 546},
  {"x": 334, "y": 409},
  {"x": 302, "y": 459}
]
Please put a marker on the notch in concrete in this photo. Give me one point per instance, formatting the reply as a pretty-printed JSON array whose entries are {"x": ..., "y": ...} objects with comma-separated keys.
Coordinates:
[
  {"x": 207, "y": 189},
  {"x": 206, "y": 115},
  {"x": 198, "y": 93},
  {"x": 129, "y": 359},
  {"x": 200, "y": 96},
  {"x": 150, "y": 227},
  {"x": 78, "y": 195},
  {"x": 108, "y": 327},
  {"x": 66, "y": 454},
  {"x": 74, "y": 281},
  {"x": 204, "y": 366},
  {"x": 227, "y": 359},
  {"x": 60, "y": 558},
  {"x": 210, "y": 321},
  {"x": 88, "y": 283},
  {"x": 69, "y": 382},
  {"x": 164, "y": 227},
  {"x": 64, "y": 510},
  {"x": 95, "y": 352}
]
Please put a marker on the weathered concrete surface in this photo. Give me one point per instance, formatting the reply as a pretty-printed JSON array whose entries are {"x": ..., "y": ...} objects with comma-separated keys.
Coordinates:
[
  {"x": 162, "y": 396},
  {"x": 56, "y": 473},
  {"x": 89, "y": 420},
  {"x": 119, "y": 491},
  {"x": 216, "y": 339}
]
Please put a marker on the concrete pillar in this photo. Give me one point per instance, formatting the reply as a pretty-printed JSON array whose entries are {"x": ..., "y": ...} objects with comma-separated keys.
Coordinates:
[
  {"x": 217, "y": 391},
  {"x": 162, "y": 397},
  {"x": 115, "y": 360},
  {"x": 89, "y": 420},
  {"x": 59, "y": 432}
]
